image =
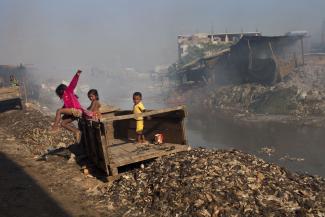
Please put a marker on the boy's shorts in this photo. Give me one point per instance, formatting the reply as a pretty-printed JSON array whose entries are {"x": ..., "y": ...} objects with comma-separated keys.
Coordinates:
[
  {"x": 76, "y": 112},
  {"x": 140, "y": 125}
]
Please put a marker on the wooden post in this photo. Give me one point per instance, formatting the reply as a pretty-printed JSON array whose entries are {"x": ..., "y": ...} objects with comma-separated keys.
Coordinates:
[
  {"x": 83, "y": 128},
  {"x": 250, "y": 56},
  {"x": 92, "y": 142},
  {"x": 109, "y": 136},
  {"x": 107, "y": 157},
  {"x": 25, "y": 91},
  {"x": 277, "y": 65},
  {"x": 302, "y": 51},
  {"x": 272, "y": 52}
]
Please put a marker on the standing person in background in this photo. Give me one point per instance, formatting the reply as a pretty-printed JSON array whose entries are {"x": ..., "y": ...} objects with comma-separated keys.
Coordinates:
[
  {"x": 138, "y": 108},
  {"x": 71, "y": 109},
  {"x": 13, "y": 81}
]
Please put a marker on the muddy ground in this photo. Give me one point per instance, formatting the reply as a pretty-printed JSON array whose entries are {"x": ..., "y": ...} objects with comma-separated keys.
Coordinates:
[{"x": 196, "y": 183}]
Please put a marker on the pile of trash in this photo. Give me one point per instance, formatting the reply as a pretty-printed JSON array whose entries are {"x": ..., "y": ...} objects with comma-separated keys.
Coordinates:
[
  {"x": 301, "y": 93},
  {"x": 237, "y": 97},
  {"x": 31, "y": 127},
  {"x": 208, "y": 183}
]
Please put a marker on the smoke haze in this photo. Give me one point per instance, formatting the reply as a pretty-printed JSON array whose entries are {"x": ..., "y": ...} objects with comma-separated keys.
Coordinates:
[{"x": 139, "y": 34}]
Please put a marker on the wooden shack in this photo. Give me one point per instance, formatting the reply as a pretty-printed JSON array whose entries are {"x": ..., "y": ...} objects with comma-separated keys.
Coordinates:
[
  {"x": 253, "y": 59},
  {"x": 10, "y": 97},
  {"x": 110, "y": 142}
]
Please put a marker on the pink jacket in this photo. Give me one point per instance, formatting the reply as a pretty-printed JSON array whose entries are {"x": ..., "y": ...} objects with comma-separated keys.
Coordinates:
[{"x": 69, "y": 98}]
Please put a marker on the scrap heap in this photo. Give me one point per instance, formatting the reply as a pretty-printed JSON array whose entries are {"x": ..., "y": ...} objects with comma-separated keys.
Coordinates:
[
  {"x": 301, "y": 93},
  {"x": 206, "y": 183},
  {"x": 32, "y": 129}
]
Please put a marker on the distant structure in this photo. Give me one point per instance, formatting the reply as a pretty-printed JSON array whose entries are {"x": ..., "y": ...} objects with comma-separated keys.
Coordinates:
[
  {"x": 298, "y": 33},
  {"x": 199, "y": 39},
  {"x": 323, "y": 33}
]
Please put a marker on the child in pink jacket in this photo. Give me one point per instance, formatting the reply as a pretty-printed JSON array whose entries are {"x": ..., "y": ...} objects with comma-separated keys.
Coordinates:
[{"x": 71, "y": 110}]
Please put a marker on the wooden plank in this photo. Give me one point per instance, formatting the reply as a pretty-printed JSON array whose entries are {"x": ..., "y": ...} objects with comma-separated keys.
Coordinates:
[
  {"x": 108, "y": 142},
  {"x": 106, "y": 156},
  {"x": 92, "y": 143},
  {"x": 131, "y": 156},
  {"x": 169, "y": 125},
  {"x": 9, "y": 90},
  {"x": 184, "y": 133},
  {"x": 82, "y": 128},
  {"x": 127, "y": 149},
  {"x": 138, "y": 158},
  {"x": 8, "y": 96},
  {"x": 99, "y": 146},
  {"x": 119, "y": 151},
  {"x": 107, "y": 109},
  {"x": 109, "y": 132},
  {"x": 145, "y": 114},
  {"x": 9, "y": 93}
]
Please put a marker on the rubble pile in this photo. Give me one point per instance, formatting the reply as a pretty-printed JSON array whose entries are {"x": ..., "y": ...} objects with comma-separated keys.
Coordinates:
[
  {"x": 307, "y": 77},
  {"x": 301, "y": 93},
  {"x": 208, "y": 183},
  {"x": 238, "y": 96},
  {"x": 32, "y": 128}
]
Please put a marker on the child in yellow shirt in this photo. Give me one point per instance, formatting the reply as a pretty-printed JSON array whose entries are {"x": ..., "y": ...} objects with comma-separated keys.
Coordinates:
[{"x": 138, "y": 108}]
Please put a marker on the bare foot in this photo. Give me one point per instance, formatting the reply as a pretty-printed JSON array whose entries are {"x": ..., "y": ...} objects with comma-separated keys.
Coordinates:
[
  {"x": 144, "y": 142},
  {"x": 54, "y": 129},
  {"x": 137, "y": 142}
]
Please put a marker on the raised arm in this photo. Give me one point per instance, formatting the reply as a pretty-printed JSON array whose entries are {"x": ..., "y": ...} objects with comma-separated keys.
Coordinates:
[{"x": 74, "y": 81}]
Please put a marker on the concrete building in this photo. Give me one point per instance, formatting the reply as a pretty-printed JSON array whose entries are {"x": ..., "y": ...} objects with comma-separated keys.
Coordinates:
[{"x": 199, "y": 39}]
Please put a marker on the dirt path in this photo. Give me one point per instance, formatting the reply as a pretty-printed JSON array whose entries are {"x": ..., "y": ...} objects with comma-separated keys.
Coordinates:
[{"x": 43, "y": 188}]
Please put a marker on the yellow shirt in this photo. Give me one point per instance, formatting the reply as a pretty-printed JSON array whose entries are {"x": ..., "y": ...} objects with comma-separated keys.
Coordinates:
[{"x": 138, "y": 109}]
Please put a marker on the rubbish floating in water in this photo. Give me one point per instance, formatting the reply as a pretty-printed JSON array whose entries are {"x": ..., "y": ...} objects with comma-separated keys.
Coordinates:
[
  {"x": 205, "y": 182},
  {"x": 287, "y": 157},
  {"x": 267, "y": 150}
]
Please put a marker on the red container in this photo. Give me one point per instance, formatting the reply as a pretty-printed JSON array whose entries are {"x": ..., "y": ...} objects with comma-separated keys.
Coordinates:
[{"x": 159, "y": 138}]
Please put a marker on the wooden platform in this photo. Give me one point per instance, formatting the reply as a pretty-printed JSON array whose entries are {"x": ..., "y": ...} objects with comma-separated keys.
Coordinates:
[{"x": 124, "y": 153}]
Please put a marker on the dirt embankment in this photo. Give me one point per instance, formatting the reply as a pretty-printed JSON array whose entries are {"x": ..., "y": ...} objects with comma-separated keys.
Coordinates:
[{"x": 200, "y": 182}]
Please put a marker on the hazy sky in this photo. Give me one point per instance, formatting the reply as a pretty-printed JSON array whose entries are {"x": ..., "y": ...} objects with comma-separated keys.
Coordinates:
[{"x": 135, "y": 33}]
